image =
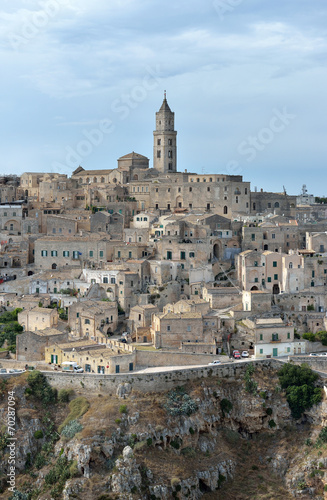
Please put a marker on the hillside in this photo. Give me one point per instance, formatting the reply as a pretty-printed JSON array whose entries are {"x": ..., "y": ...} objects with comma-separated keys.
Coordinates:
[{"x": 215, "y": 438}]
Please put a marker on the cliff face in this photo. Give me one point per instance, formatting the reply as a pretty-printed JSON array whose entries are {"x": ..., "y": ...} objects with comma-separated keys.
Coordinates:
[{"x": 228, "y": 438}]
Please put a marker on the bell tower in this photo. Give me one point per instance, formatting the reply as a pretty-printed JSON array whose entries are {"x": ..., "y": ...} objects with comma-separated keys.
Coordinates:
[{"x": 164, "y": 140}]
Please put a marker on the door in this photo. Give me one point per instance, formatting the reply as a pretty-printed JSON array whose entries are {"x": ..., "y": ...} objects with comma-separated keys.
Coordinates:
[
  {"x": 275, "y": 351},
  {"x": 54, "y": 359}
]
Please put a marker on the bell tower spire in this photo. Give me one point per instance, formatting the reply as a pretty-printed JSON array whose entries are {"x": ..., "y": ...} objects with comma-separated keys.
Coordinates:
[{"x": 164, "y": 140}]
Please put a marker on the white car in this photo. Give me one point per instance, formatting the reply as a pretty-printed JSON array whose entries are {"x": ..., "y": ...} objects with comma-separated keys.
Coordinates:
[
  {"x": 245, "y": 354},
  {"x": 323, "y": 354},
  {"x": 313, "y": 354},
  {"x": 215, "y": 362}
]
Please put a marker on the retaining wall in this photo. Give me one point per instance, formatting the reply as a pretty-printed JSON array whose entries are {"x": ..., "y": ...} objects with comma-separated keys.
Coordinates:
[{"x": 150, "y": 382}]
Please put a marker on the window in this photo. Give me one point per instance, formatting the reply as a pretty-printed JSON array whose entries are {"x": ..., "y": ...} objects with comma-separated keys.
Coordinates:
[
  {"x": 77, "y": 315},
  {"x": 118, "y": 254},
  {"x": 182, "y": 255},
  {"x": 313, "y": 274},
  {"x": 105, "y": 279},
  {"x": 159, "y": 142},
  {"x": 275, "y": 276},
  {"x": 188, "y": 328},
  {"x": 256, "y": 280},
  {"x": 54, "y": 253},
  {"x": 44, "y": 253},
  {"x": 290, "y": 265},
  {"x": 261, "y": 336},
  {"x": 288, "y": 335},
  {"x": 168, "y": 328},
  {"x": 129, "y": 255},
  {"x": 253, "y": 237},
  {"x": 65, "y": 253},
  {"x": 273, "y": 236},
  {"x": 274, "y": 337},
  {"x": 75, "y": 254},
  {"x": 112, "y": 281},
  {"x": 288, "y": 349},
  {"x": 87, "y": 321},
  {"x": 191, "y": 255},
  {"x": 269, "y": 279},
  {"x": 54, "y": 230},
  {"x": 101, "y": 253},
  {"x": 261, "y": 351},
  {"x": 169, "y": 255},
  {"x": 274, "y": 263},
  {"x": 158, "y": 154},
  {"x": 190, "y": 190}
]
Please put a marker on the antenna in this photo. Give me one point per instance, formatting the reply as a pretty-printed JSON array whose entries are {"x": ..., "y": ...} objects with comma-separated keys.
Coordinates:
[{"x": 165, "y": 94}]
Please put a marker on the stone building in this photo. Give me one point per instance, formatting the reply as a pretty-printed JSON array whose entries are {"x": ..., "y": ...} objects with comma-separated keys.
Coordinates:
[
  {"x": 169, "y": 330},
  {"x": 93, "y": 318},
  {"x": 38, "y": 318},
  {"x": 75, "y": 251},
  {"x": 164, "y": 140},
  {"x": 279, "y": 203},
  {"x": 140, "y": 316},
  {"x": 316, "y": 242},
  {"x": 112, "y": 224},
  {"x": 31, "y": 345},
  {"x": 273, "y": 337},
  {"x": 221, "y": 297}
]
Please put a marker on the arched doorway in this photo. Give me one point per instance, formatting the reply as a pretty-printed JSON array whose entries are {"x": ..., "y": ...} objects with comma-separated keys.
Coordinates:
[
  {"x": 276, "y": 289},
  {"x": 265, "y": 247},
  {"x": 54, "y": 266},
  {"x": 30, "y": 273},
  {"x": 254, "y": 288}
]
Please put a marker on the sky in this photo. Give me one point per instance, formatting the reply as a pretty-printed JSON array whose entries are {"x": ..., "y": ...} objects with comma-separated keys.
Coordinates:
[{"x": 81, "y": 81}]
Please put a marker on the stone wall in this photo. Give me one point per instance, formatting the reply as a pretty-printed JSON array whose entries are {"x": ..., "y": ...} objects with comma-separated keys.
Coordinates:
[{"x": 149, "y": 382}]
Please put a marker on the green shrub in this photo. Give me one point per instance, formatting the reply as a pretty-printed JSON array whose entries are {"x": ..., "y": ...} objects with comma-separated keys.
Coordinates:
[
  {"x": 58, "y": 476},
  {"x": 117, "y": 421},
  {"x": 191, "y": 430},
  {"x": 40, "y": 388},
  {"x": 72, "y": 428},
  {"x": 299, "y": 383},
  {"x": 250, "y": 384},
  {"x": 78, "y": 407},
  {"x": 175, "y": 444},
  {"x": 179, "y": 403},
  {"x": 149, "y": 441},
  {"x": 40, "y": 461},
  {"x": 64, "y": 394},
  {"x": 226, "y": 406},
  {"x": 123, "y": 409},
  {"x": 38, "y": 434},
  {"x": 272, "y": 423},
  {"x": 269, "y": 411},
  {"x": 309, "y": 336},
  {"x": 323, "y": 435}
]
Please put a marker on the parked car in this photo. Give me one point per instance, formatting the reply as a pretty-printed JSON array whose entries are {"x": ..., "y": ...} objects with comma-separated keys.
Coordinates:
[
  {"x": 215, "y": 362},
  {"x": 245, "y": 354},
  {"x": 3, "y": 370},
  {"x": 313, "y": 354},
  {"x": 236, "y": 355},
  {"x": 323, "y": 354},
  {"x": 124, "y": 341}
]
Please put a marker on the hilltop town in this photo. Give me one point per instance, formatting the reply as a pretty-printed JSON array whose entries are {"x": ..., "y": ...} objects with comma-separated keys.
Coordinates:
[{"x": 134, "y": 267}]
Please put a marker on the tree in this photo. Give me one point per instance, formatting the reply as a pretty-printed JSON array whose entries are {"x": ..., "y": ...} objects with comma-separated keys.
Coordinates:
[{"x": 299, "y": 384}]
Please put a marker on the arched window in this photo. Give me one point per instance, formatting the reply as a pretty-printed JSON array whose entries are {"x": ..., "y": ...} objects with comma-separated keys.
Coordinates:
[
  {"x": 290, "y": 265},
  {"x": 225, "y": 210},
  {"x": 276, "y": 204}
]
